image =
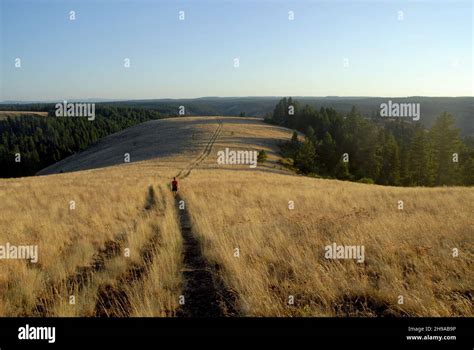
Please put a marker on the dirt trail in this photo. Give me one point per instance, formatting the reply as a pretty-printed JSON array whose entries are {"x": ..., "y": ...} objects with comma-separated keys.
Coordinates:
[
  {"x": 204, "y": 292},
  {"x": 199, "y": 291},
  {"x": 201, "y": 295},
  {"x": 204, "y": 154}
]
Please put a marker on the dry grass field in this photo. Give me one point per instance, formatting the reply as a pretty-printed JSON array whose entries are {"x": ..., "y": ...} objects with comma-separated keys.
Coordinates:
[
  {"x": 88, "y": 247},
  {"x": 121, "y": 250},
  {"x": 282, "y": 251},
  {"x": 13, "y": 114}
]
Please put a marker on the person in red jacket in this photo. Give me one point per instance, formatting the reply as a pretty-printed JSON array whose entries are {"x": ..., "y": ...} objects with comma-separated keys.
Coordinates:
[{"x": 174, "y": 186}]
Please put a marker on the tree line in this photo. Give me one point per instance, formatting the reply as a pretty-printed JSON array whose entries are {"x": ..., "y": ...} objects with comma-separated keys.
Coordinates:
[
  {"x": 388, "y": 151},
  {"x": 31, "y": 143}
]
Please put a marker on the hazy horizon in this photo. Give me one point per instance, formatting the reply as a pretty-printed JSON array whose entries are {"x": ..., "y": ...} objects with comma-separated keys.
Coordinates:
[{"x": 98, "y": 99}]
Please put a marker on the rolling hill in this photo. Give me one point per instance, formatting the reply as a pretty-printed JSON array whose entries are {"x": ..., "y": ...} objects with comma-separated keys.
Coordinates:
[
  {"x": 176, "y": 141},
  {"x": 236, "y": 241}
]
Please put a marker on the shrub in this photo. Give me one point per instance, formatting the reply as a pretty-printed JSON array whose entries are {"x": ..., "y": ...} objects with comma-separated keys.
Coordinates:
[
  {"x": 366, "y": 180},
  {"x": 262, "y": 156}
]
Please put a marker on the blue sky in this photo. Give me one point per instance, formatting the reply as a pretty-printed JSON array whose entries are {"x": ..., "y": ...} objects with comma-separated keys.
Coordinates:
[{"x": 429, "y": 52}]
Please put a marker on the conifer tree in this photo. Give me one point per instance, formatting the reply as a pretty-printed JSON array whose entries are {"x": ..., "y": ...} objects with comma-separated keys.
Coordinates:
[{"x": 446, "y": 142}]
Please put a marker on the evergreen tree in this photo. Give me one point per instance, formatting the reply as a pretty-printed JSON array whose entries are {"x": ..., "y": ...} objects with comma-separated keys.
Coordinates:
[
  {"x": 327, "y": 153},
  {"x": 294, "y": 138},
  {"x": 420, "y": 165},
  {"x": 262, "y": 156},
  {"x": 43, "y": 141},
  {"x": 342, "y": 170},
  {"x": 394, "y": 152},
  {"x": 468, "y": 170},
  {"x": 390, "y": 171},
  {"x": 446, "y": 142},
  {"x": 279, "y": 113},
  {"x": 305, "y": 157}
]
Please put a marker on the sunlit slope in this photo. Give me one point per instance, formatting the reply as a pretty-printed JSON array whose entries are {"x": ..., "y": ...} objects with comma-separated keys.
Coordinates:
[
  {"x": 176, "y": 141},
  {"x": 83, "y": 221},
  {"x": 268, "y": 233},
  {"x": 82, "y": 247}
]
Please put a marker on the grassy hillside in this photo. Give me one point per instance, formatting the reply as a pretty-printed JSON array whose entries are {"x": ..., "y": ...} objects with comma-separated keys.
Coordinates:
[
  {"x": 13, "y": 114},
  {"x": 175, "y": 141},
  {"x": 82, "y": 249},
  {"x": 120, "y": 250}
]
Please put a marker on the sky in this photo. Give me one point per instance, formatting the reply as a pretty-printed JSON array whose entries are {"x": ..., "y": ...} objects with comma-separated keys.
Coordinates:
[{"x": 329, "y": 48}]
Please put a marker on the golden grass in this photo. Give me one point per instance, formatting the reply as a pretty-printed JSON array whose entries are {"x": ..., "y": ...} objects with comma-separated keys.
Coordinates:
[
  {"x": 12, "y": 114},
  {"x": 174, "y": 142},
  {"x": 407, "y": 252},
  {"x": 36, "y": 211},
  {"x": 157, "y": 294}
]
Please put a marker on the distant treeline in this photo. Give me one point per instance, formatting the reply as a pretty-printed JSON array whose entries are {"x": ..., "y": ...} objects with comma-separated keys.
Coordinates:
[
  {"x": 42, "y": 141},
  {"x": 383, "y": 151},
  {"x": 461, "y": 107}
]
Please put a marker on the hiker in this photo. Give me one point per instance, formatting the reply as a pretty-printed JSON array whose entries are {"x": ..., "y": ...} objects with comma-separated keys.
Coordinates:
[{"x": 174, "y": 186}]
